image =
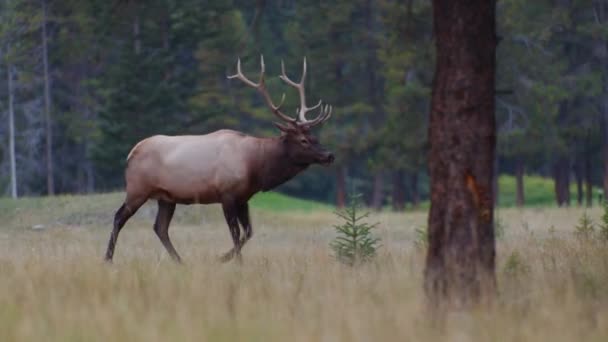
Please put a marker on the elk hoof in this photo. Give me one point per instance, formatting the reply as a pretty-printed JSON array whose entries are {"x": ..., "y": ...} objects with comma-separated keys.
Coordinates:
[{"x": 227, "y": 257}]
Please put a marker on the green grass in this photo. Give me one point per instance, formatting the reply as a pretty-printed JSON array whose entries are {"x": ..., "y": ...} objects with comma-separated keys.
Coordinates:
[
  {"x": 278, "y": 202},
  {"x": 539, "y": 191}
]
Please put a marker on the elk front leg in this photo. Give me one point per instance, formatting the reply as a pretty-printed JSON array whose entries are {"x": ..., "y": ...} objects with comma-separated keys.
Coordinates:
[
  {"x": 231, "y": 215},
  {"x": 245, "y": 221}
]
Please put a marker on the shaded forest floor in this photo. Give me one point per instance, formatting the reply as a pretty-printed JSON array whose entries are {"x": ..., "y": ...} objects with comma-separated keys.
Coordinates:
[{"x": 55, "y": 287}]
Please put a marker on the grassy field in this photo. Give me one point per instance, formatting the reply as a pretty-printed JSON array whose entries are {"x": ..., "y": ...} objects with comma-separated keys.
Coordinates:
[{"x": 55, "y": 287}]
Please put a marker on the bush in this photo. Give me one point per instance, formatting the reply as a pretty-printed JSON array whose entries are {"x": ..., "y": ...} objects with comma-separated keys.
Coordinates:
[
  {"x": 354, "y": 243},
  {"x": 603, "y": 232},
  {"x": 585, "y": 229}
]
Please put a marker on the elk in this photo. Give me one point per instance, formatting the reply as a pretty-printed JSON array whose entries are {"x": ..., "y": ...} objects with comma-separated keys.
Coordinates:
[{"x": 225, "y": 166}]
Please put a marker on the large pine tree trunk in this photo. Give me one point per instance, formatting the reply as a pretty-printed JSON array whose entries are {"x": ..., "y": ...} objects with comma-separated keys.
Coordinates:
[
  {"x": 520, "y": 198},
  {"x": 11, "y": 131},
  {"x": 50, "y": 181},
  {"x": 461, "y": 255}
]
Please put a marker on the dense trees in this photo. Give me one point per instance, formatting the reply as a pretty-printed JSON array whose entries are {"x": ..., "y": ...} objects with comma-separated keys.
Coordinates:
[{"x": 84, "y": 80}]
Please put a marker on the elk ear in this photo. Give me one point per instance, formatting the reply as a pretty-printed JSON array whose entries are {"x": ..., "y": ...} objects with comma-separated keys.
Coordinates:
[{"x": 284, "y": 128}]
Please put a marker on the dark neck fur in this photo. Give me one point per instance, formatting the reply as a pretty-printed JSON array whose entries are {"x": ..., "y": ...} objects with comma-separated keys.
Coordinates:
[{"x": 276, "y": 168}]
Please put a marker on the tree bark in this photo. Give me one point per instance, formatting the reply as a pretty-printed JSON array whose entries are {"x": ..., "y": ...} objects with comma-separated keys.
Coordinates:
[
  {"x": 520, "y": 199},
  {"x": 50, "y": 181},
  {"x": 11, "y": 131},
  {"x": 341, "y": 186},
  {"x": 461, "y": 255},
  {"x": 378, "y": 191},
  {"x": 398, "y": 191}
]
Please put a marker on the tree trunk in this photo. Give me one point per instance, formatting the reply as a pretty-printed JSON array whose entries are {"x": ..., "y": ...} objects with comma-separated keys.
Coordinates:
[
  {"x": 50, "y": 181},
  {"x": 462, "y": 133},
  {"x": 11, "y": 131},
  {"x": 398, "y": 191},
  {"x": 601, "y": 11},
  {"x": 578, "y": 175},
  {"x": 588, "y": 181},
  {"x": 561, "y": 177},
  {"x": 341, "y": 186},
  {"x": 520, "y": 199},
  {"x": 378, "y": 191},
  {"x": 495, "y": 185},
  {"x": 605, "y": 147},
  {"x": 415, "y": 194}
]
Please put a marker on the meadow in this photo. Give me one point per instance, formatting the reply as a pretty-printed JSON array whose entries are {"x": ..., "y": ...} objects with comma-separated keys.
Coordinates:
[{"x": 54, "y": 285}]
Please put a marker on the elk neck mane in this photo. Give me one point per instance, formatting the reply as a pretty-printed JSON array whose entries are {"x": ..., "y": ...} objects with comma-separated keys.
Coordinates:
[{"x": 274, "y": 165}]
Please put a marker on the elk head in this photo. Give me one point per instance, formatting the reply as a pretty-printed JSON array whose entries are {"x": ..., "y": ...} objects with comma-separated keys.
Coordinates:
[{"x": 301, "y": 146}]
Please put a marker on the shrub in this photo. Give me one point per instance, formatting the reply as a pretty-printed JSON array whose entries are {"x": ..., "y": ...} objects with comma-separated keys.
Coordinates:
[
  {"x": 603, "y": 231},
  {"x": 354, "y": 243},
  {"x": 585, "y": 228}
]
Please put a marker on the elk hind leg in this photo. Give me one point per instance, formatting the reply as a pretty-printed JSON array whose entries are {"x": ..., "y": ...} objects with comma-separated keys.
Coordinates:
[
  {"x": 161, "y": 227},
  {"x": 231, "y": 216},
  {"x": 123, "y": 214}
]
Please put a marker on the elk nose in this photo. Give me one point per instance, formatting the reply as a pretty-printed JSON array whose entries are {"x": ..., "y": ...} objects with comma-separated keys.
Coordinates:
[{"x": 329, "y": 158}]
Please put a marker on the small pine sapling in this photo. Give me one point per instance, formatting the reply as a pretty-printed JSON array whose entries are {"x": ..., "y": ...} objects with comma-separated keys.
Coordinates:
[
  {"x": 354, "y": 243},
  {"x": 603, "y": 231},
  {"x": 585, "y": 229}
]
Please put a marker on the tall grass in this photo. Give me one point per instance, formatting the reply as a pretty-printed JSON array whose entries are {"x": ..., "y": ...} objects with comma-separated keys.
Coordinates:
[{"x": 55, "y": 287}]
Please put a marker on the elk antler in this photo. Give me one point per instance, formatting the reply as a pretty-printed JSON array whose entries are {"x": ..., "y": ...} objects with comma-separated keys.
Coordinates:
[
  {"x": 325, "y": 111},
  {"x": 261, "y": 87}
]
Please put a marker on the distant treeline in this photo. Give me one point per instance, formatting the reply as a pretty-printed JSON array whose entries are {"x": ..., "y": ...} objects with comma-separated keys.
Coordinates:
[{"x": 81, "y": 81}]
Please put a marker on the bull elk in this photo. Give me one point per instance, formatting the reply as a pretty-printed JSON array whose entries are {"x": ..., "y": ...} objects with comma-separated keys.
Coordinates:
[{"x": 224, "y": 166}]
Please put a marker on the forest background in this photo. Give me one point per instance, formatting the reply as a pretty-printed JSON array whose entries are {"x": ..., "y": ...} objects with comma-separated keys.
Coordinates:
[{"x": 82, "y": 81}]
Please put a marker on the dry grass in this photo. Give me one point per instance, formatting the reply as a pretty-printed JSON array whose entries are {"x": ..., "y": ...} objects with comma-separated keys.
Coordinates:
[{"x": 54, "y": 286}]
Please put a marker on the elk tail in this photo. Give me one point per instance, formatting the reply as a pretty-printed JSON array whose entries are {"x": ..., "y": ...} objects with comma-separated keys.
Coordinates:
[{"x": 133, "y": 150}]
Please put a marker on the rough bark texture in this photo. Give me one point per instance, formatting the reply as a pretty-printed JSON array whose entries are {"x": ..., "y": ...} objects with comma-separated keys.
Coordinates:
[
  {"x": 519, "y": 178},
  {"x": 461, "y": 255},
  {"x": 50, "y": 181}
]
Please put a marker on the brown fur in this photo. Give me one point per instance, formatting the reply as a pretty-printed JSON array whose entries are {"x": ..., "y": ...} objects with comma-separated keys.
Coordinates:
[{"x": 225, "y": 166}]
